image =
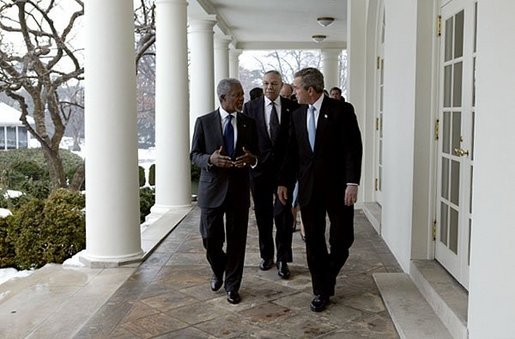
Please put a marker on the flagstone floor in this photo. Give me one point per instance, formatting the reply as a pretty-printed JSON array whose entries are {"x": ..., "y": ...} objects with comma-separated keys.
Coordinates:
[{"x": 169, "y": 296}]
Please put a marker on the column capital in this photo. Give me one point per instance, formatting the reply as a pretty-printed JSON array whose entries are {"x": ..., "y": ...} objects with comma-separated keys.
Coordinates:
[
  {"x": 222, "y": 41},
  {"x": 204, "y": 24}
]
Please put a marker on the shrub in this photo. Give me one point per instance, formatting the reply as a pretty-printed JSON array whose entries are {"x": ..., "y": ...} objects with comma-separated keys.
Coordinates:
[
  {"x": 146, "y": 201},
  {"x": 64, "y": 223},
  {"x": 142, "y": 179},
  {"x": 25, "y": 234},
  {"x": 49, "y": 230},
  {"x": 195, "y": 174},
  {"x": 7, "y": 253},
  {"x": 152, "y": 175},
  {"x": 29, "y": 158}
]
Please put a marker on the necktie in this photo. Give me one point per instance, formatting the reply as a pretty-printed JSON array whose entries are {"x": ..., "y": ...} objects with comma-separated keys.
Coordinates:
[
  {"x": 274, "y": 124},
  {"x": 229, "y": 136},
  {"x": 311, "y": 126}
]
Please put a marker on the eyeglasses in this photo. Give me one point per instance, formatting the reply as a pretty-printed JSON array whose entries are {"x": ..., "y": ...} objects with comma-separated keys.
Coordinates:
[{"x": 271, "y": 84}]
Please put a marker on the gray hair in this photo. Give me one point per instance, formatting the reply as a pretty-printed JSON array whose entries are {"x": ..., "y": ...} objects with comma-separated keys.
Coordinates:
[
  {"x": 225, "y": 86},
  {"x": 273, "y": 71},
  {"x": 311, "y": 77}
]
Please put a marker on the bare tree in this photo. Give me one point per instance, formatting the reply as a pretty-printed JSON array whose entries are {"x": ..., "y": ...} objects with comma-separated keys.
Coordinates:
[{"x": 36, "y": 60}]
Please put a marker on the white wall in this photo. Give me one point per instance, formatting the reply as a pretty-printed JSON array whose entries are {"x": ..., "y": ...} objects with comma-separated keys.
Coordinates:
[
  {"x": 492, "y": 271},
  {"x": 399, "y": 106}
]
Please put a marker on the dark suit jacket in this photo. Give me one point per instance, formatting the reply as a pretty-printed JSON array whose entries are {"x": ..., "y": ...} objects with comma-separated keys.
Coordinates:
[
  {"x": 214, "y": 181},
  {"x": 336, "y": 159},
  {"x": 271, "y": 156}
]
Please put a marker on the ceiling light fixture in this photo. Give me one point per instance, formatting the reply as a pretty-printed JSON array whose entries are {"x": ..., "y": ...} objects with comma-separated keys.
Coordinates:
[
  {"x": 318, "y": 38},
  {"x": 325, "y": 20}
]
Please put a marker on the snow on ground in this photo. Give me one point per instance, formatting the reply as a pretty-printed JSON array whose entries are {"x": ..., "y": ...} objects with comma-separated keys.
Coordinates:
[
  {"x": 11, "y": 273},
  {"x": 146, "y": 157}
]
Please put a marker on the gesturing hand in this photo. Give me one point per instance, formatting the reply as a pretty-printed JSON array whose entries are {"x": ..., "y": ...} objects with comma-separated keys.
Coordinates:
[{"x": 219, "y": 159}]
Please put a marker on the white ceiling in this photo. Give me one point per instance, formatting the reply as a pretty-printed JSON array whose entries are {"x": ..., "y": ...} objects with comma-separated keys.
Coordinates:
[{"x": 275, "y": 24}]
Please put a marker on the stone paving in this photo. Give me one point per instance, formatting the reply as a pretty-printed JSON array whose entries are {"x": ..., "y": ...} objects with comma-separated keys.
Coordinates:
[{"x": 169, "y": 295}]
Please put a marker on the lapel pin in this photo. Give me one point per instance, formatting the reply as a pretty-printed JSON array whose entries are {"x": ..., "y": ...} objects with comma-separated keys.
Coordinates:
[{"x": 325, "y": 116}]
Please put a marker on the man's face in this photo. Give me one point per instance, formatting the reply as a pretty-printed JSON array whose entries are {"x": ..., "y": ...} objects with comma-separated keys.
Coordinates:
[
  {"x": 233, "y": 101},
  {"x": 301, "y": 94},
  {"x": 272, "y": 86},
  {"x": 335, "y": 94},
  {"x": 286, "y": 91}
]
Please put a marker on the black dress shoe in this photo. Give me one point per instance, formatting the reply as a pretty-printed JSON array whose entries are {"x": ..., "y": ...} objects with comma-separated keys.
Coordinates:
[
  {"x": 216, "y": 282},
  {"x": 319, "y": 303},
  {"x": 233, "y": 297},
  {"x": 283, "y": 270},
  {"x": 266, "y": 264}
]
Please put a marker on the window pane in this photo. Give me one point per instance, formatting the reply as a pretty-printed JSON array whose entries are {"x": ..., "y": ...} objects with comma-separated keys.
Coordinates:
[
  {"x": 456, "y": 130},
  {"x": 445, "y": 178},
  {"x": 448, "y": 39},
  {"x": 455, "y": 182},
  {"x": 11, "y": 137},
  {"x": 453, "y": 231},
  {"x": 458, "y": 35},
  {"x": 457, "y": 84},
  {"x": 2, "y": 137},
  {"x": 447, "y": 86},
  {"x": 446, "y": 132},
  {"x": 443, "y": 223},
  {"x": 23, "y": 140}
]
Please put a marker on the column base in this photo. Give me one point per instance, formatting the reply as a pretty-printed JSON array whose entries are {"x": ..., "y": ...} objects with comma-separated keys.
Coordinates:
[{"x": 110, "y": 262}]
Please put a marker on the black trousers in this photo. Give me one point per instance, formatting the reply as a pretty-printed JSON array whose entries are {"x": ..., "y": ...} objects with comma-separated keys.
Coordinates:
[
  {"x": 268, "y": 209},
  {"x": 324, "y": 264},
  {"x": 214, "y": 234}
]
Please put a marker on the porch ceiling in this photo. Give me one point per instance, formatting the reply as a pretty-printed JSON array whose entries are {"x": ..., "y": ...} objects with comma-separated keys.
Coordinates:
[{"x": 275, "y": 24}]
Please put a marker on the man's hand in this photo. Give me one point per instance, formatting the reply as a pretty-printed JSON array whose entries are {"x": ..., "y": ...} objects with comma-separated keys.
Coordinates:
[
  {"x": 247, "y": 159},
  {"x": 282, "y": 194},
  {"x": 219, "y": 159},
  {"x": 351, "y": 195}
]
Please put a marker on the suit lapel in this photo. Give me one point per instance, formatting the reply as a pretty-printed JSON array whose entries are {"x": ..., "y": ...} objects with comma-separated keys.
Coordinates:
[
  {"x": 215, "y": 123},
  {"x": 322, "y": 122}
]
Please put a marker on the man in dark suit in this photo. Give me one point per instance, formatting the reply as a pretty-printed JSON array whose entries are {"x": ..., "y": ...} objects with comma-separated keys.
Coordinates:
[
  {"x": 325, "y": 152},
  {"x": 224, "y": 146},
  {"x": 272, "y": 114}
]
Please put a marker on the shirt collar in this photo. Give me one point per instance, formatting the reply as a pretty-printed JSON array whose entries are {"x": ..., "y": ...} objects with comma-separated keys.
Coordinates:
[
  {"x": 277, "y": 101},
  {"x": 318, "y": 104},
  {"x": 224, "y": 113}
]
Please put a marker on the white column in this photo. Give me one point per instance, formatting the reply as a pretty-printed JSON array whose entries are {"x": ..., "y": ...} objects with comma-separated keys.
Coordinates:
[
  {"x": 234, "y": 63},
  {"x": 221, "y": 57},
  {"x": 330, "y": 69},
  {"x": 112, "y": 188},
  {"x": 202, "y": 83},
  {"x": 173, "y": 187}
]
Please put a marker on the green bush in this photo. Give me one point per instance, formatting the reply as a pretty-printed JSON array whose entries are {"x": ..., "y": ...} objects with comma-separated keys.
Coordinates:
[
  {"x": 7, "y": 253},
  {"x": 142, "y": 179},
  {"x": 152, "y": 175},
  {"x": 195, "y": 174},
  {"x": 146, "y": 201},
  {"x": 49, "y": 230},
  {"x": 29, "y": 168},
  {"x": 25, "y": 233},
  {"x": 26, "y": 161},
  {"x": 65, "y": 225}
]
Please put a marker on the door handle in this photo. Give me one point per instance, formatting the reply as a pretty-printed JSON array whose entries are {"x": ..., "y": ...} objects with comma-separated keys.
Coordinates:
[{"x": 461, "y": 152}]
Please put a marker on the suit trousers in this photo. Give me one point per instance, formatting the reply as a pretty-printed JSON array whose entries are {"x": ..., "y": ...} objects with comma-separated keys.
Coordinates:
[
  {"x": 268, "y": 209},
  {"x": 232, "y": 261},
  {"x": 324, "y": 265}
]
